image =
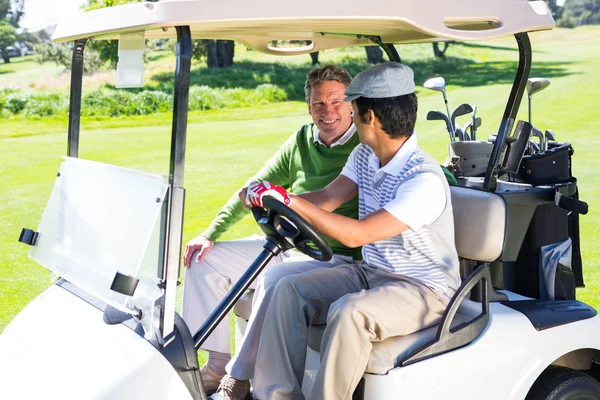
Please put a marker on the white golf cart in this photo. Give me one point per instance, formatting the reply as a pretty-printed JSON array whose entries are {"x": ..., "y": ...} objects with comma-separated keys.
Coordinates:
[{"x": 108, "y": 328}]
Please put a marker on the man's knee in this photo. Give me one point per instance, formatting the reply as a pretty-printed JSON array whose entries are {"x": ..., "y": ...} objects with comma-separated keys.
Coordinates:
[
  {"x": 202, "y": 271},
  {"x": 273, "y": 276},
  {"x": 284, "y": 288}
]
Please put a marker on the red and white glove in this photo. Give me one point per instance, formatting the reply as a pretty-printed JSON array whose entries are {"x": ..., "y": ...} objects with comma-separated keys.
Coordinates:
[{"x": 257, "y": 191}]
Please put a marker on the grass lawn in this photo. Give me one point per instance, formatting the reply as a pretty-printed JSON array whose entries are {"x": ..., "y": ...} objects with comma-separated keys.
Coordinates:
[
  {"x": 224, "y": 147},
  {"x": 26, "y": 72}
]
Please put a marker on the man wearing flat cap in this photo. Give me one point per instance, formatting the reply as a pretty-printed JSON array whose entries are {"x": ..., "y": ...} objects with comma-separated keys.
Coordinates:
[{"x": 410, "y": 266}]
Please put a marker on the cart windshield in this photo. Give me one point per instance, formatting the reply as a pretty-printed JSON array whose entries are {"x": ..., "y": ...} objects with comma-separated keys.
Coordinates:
[{"x": 101, "y": 219}]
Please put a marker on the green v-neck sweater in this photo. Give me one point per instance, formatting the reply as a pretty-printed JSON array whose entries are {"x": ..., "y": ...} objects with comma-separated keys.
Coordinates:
[{"x": 300, "y": 165}]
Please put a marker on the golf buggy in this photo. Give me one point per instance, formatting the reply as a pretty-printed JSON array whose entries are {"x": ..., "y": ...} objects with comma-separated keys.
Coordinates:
[{"x": 108, "y": 328}]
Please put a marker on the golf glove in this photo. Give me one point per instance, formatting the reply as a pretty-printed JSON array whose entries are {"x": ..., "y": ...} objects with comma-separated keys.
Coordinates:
[{"x": 256, "y": 192}]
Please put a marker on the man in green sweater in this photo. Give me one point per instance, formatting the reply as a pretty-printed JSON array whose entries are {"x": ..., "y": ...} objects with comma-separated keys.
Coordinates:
[{"x": 308, "y": 161}]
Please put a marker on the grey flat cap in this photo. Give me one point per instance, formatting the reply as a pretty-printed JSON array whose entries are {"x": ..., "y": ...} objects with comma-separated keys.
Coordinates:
[{"x": 390, "y": 79}]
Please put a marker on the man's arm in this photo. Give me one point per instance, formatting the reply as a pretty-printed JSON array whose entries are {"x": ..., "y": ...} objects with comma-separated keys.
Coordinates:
[
  {"x": 351, "y": 232},
  {"x": 276, "y": 169},
  {"x": 341, "y": 190}
]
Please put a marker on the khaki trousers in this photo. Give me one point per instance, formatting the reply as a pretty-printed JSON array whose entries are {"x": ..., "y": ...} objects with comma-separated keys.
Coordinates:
[
  {"x": 360, "y": 304},
  {"x": 206, "y": 284}
]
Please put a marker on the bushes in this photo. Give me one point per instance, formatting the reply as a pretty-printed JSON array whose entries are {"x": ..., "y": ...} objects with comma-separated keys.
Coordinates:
[{"x": 114, "y": 103}]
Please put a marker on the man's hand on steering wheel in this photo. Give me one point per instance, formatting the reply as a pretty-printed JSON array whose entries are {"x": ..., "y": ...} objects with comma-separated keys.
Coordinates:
[{"x": 257, "y": 191}]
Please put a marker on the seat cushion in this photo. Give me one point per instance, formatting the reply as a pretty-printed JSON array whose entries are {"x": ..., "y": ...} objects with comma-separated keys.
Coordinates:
[
  {"x": 479, "y": 223},
  {"x": 388, "y": 353}
]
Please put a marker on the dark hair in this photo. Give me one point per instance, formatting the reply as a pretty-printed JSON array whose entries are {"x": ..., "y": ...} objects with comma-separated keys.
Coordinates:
[
  {"x": 326, "y": 72},
  {"x": 396, "y": 114}
]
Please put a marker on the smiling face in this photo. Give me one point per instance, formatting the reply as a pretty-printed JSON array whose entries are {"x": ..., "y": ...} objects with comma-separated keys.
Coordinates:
[{"x": 329, "y": 112}]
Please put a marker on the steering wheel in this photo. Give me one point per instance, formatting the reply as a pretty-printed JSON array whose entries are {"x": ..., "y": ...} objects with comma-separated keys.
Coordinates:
[{"x": 289, "y": 230}]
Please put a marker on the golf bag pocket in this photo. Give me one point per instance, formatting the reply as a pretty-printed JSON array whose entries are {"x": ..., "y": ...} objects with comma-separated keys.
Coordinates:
[
  {"x": 557, "y": 281},
  {"x": 550, "y": 166}
]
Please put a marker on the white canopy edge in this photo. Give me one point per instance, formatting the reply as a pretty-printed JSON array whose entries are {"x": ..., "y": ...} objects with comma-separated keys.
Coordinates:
[{"x": 326, "y": 23}]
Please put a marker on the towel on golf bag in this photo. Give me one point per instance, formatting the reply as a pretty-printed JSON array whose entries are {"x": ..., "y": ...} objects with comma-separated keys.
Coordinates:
[{"x": 557, "y": 281}]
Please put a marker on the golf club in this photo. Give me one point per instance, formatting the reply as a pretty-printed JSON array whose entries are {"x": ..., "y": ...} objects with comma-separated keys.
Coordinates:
[
  {"x": 548, "y": 137},
  {"x": 470, "y": 128},
  {"x": 460, "y": 110},
  {"x": 440, "y": 116},
  {"x": 462, "y": 136},
  {"x": 439, "y": 84},
  {"x": 538, "y": 134},
  {"x": 474, "y": 125},
  {"x": 535, "y": 85},
  {"x": 466, "y": 128}
]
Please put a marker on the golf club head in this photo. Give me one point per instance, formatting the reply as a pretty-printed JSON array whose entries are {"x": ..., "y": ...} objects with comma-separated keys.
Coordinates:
[
  {"x": 535, "y": 148},
  {"x": 460, "y": 110},
  {"x": 548, "y": 136},
  {"x": 535, "y": 85},
  {"x": 474, "y": 122},
  {"x": 538, "y": 134},
  {"x": 460, "y": 134},
  {"x": 436, "y": 115},
  {"x": 466, "y": 127},
  {"x": 465, "y": 135},
  {"x": 463, "y": 109},
  {"x": 438, "y": 84}
]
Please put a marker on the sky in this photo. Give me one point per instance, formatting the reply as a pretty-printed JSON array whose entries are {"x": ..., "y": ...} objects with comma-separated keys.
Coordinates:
[{"x": 42, "y": 13}]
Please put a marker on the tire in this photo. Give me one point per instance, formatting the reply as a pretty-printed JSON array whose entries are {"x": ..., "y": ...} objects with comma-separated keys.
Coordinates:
[{"x": 560, "y": 383}]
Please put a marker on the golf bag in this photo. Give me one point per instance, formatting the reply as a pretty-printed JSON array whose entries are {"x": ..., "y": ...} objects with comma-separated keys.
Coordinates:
[
  {"x": 547, "y": 167},
  {"x": 549, "y": 263}
]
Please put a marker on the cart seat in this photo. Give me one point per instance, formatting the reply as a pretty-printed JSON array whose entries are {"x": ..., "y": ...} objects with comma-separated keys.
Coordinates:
[{"x": 479, "y": 224}]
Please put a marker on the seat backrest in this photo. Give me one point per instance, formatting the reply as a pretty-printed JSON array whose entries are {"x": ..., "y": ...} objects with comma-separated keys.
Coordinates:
[{"x": 479, "y": 223}]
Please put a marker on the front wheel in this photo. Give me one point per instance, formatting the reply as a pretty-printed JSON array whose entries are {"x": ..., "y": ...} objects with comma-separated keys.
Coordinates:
[{"x": 561, "y": 383}]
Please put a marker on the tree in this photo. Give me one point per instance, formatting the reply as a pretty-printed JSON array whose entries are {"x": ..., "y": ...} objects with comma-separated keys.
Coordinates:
[
  {"x": 440, "y": 53},
  {"x": 4, "y": 9},
  {"x": 555, "y": 9},
  {"x": 8, "y": 37},
  {"x": 374, "y": 54},
  {"x": 216, "y": 53},
  {"x": 107, "y": 50},
  {"x": 581, "y": 12},
  {"x": 62, "y": 54},
  {"x": 11, "y": 11}
]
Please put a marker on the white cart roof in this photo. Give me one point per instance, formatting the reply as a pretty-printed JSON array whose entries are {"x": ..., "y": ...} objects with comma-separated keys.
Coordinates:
[{"x": 327, "y": 23}]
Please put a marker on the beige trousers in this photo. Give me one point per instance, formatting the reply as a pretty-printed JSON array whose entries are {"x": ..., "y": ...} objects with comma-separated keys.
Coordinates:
[
  {"x": 206, "y": 284},
  {"x": 361, "y": 305}
]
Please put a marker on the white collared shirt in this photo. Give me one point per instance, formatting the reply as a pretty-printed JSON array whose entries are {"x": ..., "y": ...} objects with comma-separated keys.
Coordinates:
[
  {"x": 417, "y": 202},
  {"x": 341, "y": 140},
  {"x": 411, "y": 189}
]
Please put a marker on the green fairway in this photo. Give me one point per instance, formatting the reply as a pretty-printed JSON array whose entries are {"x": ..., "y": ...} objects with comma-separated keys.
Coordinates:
[
  {"x": 26, "y": 72},
  {"x": 224, "y": 147}
]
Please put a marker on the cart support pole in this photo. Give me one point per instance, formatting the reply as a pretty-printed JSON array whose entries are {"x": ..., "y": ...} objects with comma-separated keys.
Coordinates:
[
  {"x": 75, "y": 97},
  {"x": 237, "y": 290},
  {"x": 510, "y": 113},
  {"x": 173, "y": 227}
]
